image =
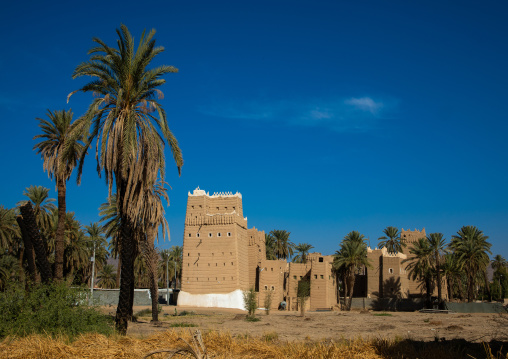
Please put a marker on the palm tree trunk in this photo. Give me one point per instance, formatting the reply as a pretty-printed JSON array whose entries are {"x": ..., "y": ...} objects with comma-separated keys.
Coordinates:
[
  {"x": 29, "y": 250},
  {"x": 125, "y": 300},
  {"x": 449, "y": 287},
  {"x": 118, "y": 271},
  {"x": 470, "y": 287},
  {"x": 33, "y": 233},
  {"x": 151, "y": 258},
  {"x": 60, "y": 230},
  {"x": 487, "y": 286},
  {"x": 428, "y": 284},
  {"x": 438, "y": 270},
  {"x": 351, "y": 286}
]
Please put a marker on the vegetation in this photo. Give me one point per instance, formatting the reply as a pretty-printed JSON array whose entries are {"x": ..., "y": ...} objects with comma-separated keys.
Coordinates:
[
  {"x": 267, "y": 303},
  {"x": 282, "y": 246},
  {"x": 391, "y": 240},
  {"x": 351, "y": 257},
  {"x": 302, "y": 250},
  {"x": 250, "y": 302},
  {"x": 130, "y": 127},
  {"x": 52, "y": 309},
  {"x": 303, "y": 293}
]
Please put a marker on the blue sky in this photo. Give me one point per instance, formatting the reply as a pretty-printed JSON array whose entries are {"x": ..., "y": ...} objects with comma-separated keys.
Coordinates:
[{"x": 327, "y": 116}]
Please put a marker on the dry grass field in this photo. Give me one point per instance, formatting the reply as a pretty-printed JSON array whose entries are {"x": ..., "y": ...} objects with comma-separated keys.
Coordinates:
[{"x": 226, "y": 334}]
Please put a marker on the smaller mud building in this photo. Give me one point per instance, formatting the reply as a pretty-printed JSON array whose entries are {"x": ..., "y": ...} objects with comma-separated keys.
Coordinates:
[{"x": 222, "y": 257}]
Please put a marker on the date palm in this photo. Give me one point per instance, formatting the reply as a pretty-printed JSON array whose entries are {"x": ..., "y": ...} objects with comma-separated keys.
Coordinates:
[
  {"x": 302, "y": 250},
  {"x": 130, "y": 127},
  {"x": 452, "y": 272},
  {"x": 59, "y": 165},
  {"x": 107, "y": 277},
  {"x": 9, "y": 229},
  {"x": 351, "y": 256},
  {"x": 499, "y": 263},
  {"x": 96, "y": 240},
  {"x": 471, "y": 247},
  {"x": 391, "y": 240},
  {"x": 270, "y": 246},
  {"x": 284, "y": 248},
  {"x": 108, "y": 212},
  {"x": 42, "y": 204},
  {"x": 437, "y": 246},
  {"x": 420, "y": 265}
]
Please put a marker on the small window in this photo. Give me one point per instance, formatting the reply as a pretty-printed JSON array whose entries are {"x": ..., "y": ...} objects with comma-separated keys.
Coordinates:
[
  {"x": 226, "y": 208},
  {"x": 197, "y": 235},
  {"x": 209, "y": 234},
  {"x": 189, "y": 234},
  {"x": 188, "y": 254},
  {"x": 301, "y": 277},
  {"x": 231, "y": 263},
  {"x": 192, "y": 207},
  {"x": 390, "y": 270},
  {"x": 271, "y": 269},
  {"x": 229, "y": 234},
  {"x": 224, "y": 264},
  {"x": 200, "y": 206},
  {"x": 320, "y": 259},
  {"x": 199, "y": 254},
  {"x": 273, "y": 287},
  {"x": 217, "y": 208},
  {"x": 315, "y": 276},
  {"x": 322, "y": 277},
  {"x": 209, "y": 264},
  {"x": 219, "y": 234},
  {"x": 266, "y": 287},
  {"x": 294, "y": 277},
  {"x": 216, "y": 264}
]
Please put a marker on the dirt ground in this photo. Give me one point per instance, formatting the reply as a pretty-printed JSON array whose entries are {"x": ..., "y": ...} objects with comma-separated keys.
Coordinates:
[{"x": 330, "y": 325}]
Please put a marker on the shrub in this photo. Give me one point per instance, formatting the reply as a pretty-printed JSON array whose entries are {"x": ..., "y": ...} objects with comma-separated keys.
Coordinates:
[
  {"x": 182, "y": 325},
  {"x": 303, "y": 294},
  {"x": 250, "y": 302},
  {"x": 51, "y": 309},
  {"x": 268, "y": 301}
]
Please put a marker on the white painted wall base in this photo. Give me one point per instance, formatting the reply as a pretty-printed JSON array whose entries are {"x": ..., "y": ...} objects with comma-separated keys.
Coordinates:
[{"x": 229, "y": 300}]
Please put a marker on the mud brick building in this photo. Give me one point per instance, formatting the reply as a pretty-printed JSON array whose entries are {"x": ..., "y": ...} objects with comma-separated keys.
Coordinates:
[{"x": 222, "y": 257}]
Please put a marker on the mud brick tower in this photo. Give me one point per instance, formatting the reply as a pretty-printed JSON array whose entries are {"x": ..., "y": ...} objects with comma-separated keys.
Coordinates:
[{"x": 219, "y": 251}]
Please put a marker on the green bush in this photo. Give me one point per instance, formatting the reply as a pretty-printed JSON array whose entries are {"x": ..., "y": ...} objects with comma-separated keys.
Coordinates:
[
  {"x": 51, "y": 309},
  {"x": 250, "y": 302}
]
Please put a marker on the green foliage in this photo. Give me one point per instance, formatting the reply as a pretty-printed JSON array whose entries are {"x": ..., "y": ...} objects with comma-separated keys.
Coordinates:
[
  {"x": 52, "y": 309},
  {"x": 303, "y": 294},
  {"x": 391, "y": 240},
  {"x": 252, "y": 319},
  {"x": 250, "y": 301},
  {"x": 268, "y": 301}
]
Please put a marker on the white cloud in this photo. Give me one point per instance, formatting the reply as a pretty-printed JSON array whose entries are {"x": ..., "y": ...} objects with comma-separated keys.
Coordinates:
[
  {"x": 365, "y": 104},
  {"x": 354, "y": 114}
]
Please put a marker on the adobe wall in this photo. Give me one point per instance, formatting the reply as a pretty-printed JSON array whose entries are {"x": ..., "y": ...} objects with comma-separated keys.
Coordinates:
[
  {"x": 256, "y": 253},
  {"x": 297, "y": 272},
  {"x": 322, "y": 288},
  {"x": 271, "y": 278}
]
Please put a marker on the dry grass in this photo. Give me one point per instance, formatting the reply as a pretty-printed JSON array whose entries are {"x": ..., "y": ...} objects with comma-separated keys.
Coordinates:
[{"x": 223, "y": 345}]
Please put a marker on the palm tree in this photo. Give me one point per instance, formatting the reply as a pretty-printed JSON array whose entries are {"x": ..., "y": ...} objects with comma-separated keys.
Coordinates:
[
  {"x": 107, "y": 277},
  {"x": 97, "y": 244},
  {"x": 471, "y": 247},
  {"x": 124, "y": 117},
  {"x": 452, "y": 272},
  {"x": 420, "y": 265},
  {"x": 437, "y": 246},
  {"x": 270, "y": 246},
  {"x": 111, "y": 223},
  {"x": 283, "y": 246},
  {"x": 42, "y": 205},
  {"x": 351, "y": 256},
  {"x": 176, "y": 257},
  {"x": 498, "y": 263},
  {"x": 60, "y": 166},
  {"x": 391, "y": 240},
  {"x": 303, "y": 251},
  {"x": 9, "y": 229}
]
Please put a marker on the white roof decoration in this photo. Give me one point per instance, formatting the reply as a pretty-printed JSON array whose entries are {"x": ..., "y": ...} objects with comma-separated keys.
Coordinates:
[{"x": 200, "y": 192}]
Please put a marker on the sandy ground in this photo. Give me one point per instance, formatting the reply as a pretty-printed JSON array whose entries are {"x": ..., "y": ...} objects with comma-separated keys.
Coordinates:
[{"x": 331, "y": 325}]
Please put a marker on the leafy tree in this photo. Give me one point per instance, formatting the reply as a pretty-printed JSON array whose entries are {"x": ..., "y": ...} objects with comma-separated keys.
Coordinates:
[
  {"x": 302, "y": 250},
  {"x": 125, "y": 118},
  {"x": 420, "y": 265},
  {"x": 283, "y": 246},
  {"x": 351, "y": 256},
  {"x": 303, "y": 293},
  {"x": 471, "y": 247},
  {"x": 55, "y": 134},
  {"x": 9, "y": 270},
  {"x": 391, "y": 240},
  {"x": 107, "y": 277}
]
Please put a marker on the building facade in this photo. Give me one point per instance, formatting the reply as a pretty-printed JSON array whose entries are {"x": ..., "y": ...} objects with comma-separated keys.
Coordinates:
[{"x": 222, "y": 257}]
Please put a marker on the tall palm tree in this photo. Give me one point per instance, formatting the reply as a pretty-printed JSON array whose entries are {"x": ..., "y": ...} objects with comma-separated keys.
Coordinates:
[
  {"x": 107, "y": 277},
  {"x": 283, "y": 246},
  {"x": 452, "y": 272},
  {"x": 471, "y": 247},
  {"x": 499, "y": 263},
  {"x": 420, "y": 265},
  {"x": 391, "y": 240},
  {"x": 130, "y": 127},
  {"x": 302, "y": 250},
  {"x": 351, "y": 256},
  {"x": 437, "y": 246},
  {"x": 55, "y": 134}
]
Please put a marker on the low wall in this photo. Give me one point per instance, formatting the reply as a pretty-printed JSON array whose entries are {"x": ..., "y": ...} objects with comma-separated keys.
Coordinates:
[
  {"x": 476, "y": 307},
  {"x": 230, "y": 300},
  {"x": 141, "y": 296},
  {"x": 391, "y": 304}
]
